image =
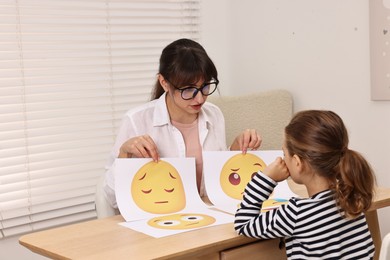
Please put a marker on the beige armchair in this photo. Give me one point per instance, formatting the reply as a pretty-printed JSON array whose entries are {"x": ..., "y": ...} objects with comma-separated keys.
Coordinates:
[{"x": 268, "y": 112}]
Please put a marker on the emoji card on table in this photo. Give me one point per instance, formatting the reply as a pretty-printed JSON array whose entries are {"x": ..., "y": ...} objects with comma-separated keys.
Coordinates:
[
  {"x": 227, "y": 173},
  {"x": 161, "y": 198}
]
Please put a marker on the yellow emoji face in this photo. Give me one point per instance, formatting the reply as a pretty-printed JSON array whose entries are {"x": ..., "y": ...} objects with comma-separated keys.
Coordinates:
[
  {"x": 181, "y": 221},
  {"x": 238, "y": 171},
  {"x": 157, "y": 188}
]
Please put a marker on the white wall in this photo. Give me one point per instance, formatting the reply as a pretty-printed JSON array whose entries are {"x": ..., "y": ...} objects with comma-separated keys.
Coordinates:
[{"x": 316, "y": 49}]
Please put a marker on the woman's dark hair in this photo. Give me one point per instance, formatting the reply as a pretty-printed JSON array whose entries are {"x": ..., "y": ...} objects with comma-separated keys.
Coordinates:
[
  {"x": 184, "y": 62},
  {"x": 320, "y": 139}
]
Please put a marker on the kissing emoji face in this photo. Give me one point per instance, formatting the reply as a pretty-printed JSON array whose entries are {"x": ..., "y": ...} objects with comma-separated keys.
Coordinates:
[
  {"x": 237, "y": 172},
  {"x": 181, "y": 221},
  {"x": 157, "y": 188}
]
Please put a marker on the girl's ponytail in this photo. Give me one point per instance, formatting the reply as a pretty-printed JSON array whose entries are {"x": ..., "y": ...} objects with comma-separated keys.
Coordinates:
[{"x": 354, "y": 184}]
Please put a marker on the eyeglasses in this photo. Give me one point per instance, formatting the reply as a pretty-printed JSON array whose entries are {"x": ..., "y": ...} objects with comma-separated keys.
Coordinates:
[{"x": 190, "y": 92}]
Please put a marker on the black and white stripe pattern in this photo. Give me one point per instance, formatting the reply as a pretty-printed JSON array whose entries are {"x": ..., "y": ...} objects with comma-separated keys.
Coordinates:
[{"x": 313, "y": 227}]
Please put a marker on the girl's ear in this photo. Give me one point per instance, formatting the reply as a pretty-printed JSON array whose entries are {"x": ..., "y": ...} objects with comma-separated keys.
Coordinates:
[
  {"x": 163, "y": 82},
  {"x": 298, "y": 163}
]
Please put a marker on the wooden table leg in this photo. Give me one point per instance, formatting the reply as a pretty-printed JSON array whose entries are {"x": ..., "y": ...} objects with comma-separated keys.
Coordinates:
[{"x": 373, "y": 225}]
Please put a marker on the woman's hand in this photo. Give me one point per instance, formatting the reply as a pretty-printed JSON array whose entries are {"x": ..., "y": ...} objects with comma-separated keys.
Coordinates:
[
  {"x": 248, "y": 139},
  {"x": 139, "y": 147},
  {"x": 277, "y": 170}
]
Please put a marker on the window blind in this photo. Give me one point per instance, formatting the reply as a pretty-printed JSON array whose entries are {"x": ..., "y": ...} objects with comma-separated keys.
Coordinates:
[{"x": 69, "y": 70}]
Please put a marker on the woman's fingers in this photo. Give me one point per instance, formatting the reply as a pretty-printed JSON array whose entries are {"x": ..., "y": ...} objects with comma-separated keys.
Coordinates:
[
  {"x": 139, "y": 147},
  {"x": 250, "y": 140}
]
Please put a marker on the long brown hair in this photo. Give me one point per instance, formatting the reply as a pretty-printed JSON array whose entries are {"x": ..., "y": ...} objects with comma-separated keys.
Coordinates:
[
  {"x": 320, "y": 138},
  {"x": 184, "y": 62}
]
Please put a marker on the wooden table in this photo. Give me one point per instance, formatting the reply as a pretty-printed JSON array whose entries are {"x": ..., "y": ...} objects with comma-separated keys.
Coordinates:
[{"x": 105, "y": 239}]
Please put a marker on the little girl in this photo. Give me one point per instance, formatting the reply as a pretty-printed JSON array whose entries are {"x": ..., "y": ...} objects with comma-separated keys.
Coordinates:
[{"x": 330, "y": 224}]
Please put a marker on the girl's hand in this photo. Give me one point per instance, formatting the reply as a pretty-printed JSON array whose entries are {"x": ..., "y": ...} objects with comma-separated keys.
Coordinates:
[
  {"x": 277, "y": 170},
  {"x": 247, "y": 139},
  {"x": 139, "y": 147}
]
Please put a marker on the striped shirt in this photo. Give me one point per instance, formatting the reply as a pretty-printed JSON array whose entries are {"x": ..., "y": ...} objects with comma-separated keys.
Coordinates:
[{"x": 313, "y": 227}]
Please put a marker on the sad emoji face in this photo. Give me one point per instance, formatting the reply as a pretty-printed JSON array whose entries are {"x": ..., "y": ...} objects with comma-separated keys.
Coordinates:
[{"x": 157, "y": 188}]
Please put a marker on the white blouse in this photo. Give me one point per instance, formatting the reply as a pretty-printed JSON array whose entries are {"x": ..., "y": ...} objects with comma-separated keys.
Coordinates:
[{"x": 152, "y": 118}]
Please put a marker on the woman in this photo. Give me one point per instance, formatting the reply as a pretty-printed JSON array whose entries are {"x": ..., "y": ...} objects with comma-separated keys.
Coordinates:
[{"x": 177, "y": 122}]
